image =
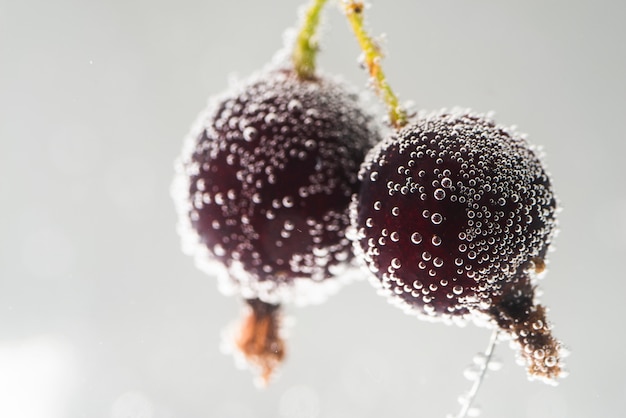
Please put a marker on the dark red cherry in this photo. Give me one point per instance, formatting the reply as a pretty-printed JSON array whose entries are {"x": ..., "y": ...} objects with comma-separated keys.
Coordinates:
[
  {"x": 454, "y": 215},
  {"x": 264, "y": 184}
]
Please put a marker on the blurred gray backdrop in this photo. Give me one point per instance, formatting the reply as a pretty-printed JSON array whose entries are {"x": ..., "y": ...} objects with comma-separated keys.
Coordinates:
[{"x": 101, "y": 315}]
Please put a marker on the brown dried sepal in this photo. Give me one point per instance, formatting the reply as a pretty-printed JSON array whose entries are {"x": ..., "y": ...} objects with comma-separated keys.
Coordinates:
[
  {"x": 259, "y": 338},
  {"x": 516, "y": 313}
]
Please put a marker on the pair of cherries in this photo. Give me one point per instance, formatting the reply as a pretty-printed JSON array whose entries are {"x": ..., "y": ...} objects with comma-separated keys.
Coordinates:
[{"x": 285, "y": 182}]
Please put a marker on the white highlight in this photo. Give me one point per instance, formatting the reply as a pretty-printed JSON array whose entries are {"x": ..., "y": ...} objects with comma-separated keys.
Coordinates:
[{"x": 36, "y": 379}]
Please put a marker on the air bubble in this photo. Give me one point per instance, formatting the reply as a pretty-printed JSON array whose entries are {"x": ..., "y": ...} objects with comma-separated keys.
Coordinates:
[
  {"x": 288, "y": 201},
  {"x": 438, "y": 262},
  {"x": 436, "y": 218},
  {"x": 436, "y": 240},
  {"x": 270, "y": 118},
  {"x": 457, "y": 290},
  {"x": 439, "y": 194},
  {"x": 416, "y": 238},
  {"x": 250, "y": 133},
  {"x": 219, "y": 250},
  {"x": 294, "y": 105}
]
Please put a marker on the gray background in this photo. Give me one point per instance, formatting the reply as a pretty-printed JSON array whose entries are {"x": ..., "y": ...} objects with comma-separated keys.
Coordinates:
[{"x": 101, "y": 315}]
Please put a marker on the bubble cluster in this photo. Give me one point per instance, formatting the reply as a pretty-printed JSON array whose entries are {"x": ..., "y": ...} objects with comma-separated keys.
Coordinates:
[{"x": 264, "y": 183}]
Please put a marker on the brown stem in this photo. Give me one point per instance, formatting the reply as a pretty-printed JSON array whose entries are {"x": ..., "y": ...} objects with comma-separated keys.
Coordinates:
[
  {"x": 516, "y": 313},
  {"x": 259, "y": 337}
]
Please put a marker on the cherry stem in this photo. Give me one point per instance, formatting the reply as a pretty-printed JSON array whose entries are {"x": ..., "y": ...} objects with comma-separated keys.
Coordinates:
[
  {"x": 467, "y": 401},
  {"x": 372, "y": 56},
  {"x": 306, "y": 47},
  {"x": 259, "y": 338}
]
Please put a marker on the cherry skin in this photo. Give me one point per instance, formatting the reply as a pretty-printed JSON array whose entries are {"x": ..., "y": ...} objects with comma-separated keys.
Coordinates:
[{"x": 454, "y": 215}]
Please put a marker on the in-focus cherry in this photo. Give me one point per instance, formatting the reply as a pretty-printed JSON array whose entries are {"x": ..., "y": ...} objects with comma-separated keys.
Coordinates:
[{"x": 454, "y": 217}]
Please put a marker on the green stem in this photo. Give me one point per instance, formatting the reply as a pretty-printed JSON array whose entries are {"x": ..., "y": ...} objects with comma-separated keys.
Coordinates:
[
  {"x": 353, "y": 10},
  {"x": 306, "y": 47}
]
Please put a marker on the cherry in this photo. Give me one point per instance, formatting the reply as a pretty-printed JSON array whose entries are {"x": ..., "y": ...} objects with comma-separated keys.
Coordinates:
[
  {"x": 263, "y": 189},
  {"x": 454, "y": 217}
]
